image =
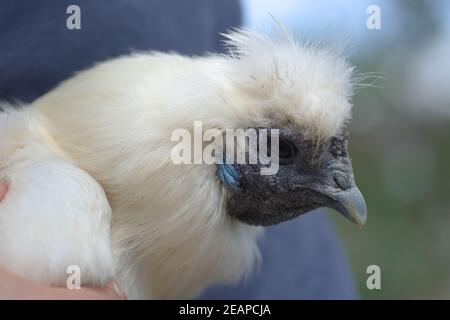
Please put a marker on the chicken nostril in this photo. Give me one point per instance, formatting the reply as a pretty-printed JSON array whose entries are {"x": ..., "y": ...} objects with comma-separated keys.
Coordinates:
[{"x": 342, "y": 181}]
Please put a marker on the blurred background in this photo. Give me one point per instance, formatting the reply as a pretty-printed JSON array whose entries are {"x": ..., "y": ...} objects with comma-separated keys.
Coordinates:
[{"x": 400, "y": 136}]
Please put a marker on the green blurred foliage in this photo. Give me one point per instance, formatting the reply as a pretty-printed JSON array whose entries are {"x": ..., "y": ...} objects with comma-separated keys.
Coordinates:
[{"x": 401, "y": 163}]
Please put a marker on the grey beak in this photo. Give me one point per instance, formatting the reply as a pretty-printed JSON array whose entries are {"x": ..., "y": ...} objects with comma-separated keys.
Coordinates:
[{"x": 351, "y": 204}]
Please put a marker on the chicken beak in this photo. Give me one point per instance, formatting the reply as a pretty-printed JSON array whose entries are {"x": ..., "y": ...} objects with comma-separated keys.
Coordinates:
[{"x": 351, "y": 204}]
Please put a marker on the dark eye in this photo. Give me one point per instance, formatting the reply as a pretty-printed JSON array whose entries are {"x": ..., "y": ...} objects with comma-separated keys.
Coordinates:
[{"x": 287, "y": 151}]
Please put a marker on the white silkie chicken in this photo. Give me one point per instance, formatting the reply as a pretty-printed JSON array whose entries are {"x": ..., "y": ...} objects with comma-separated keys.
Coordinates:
[{"x": 92, "y": 184}]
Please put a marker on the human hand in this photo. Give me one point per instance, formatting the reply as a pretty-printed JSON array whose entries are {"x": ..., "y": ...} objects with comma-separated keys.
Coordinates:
[{"x": 3, "y": 190}]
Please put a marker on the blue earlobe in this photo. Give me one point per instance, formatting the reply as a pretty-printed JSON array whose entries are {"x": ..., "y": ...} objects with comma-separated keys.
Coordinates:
[{"x": 229, "y": 175}]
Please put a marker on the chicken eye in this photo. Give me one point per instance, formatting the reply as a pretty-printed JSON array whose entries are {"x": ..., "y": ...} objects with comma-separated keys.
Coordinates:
[{"x": 287, "y": 151}]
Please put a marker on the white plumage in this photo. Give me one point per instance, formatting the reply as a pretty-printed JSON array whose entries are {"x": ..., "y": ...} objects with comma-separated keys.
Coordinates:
[{"x": 107, "y": 130}]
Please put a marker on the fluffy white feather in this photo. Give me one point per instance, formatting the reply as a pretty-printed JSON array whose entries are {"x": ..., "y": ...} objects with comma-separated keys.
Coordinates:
[
  {"x": 171, "y": 236},
  {"x": 55, "y": 215}
]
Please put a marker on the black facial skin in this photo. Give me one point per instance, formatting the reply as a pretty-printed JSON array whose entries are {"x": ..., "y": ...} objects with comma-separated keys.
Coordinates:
[{"x": 310, "y": 176}]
